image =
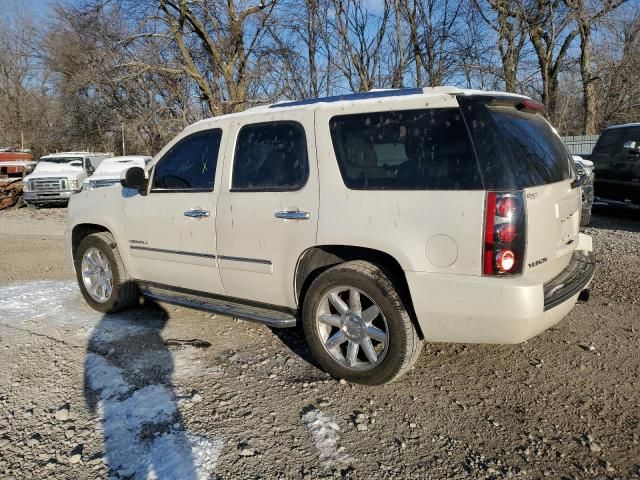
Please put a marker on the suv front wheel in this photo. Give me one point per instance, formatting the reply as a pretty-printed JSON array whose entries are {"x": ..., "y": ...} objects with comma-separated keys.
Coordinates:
[
  {"x": 357, "y": 326},
  {"x": 101, "y": 274}
]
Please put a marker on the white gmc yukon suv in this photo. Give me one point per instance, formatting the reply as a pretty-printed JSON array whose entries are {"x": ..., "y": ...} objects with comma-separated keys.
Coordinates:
[{"x": 378, "y": 220}]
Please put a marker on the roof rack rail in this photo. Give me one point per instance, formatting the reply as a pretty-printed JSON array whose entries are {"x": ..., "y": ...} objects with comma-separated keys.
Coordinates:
[{"x": 397, "y": 92}]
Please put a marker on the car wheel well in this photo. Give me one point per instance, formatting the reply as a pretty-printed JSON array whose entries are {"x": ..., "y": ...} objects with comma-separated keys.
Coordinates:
[
  {"x": 81, "y": 231},
  {"x": 317, "y": 259}
]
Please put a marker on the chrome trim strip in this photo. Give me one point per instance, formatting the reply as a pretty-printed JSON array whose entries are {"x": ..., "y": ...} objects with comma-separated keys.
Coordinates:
[
  {"x": 203, "y": 255},
  {"x": 174, "y": 252},
  {"x": 244, "y": 259}
]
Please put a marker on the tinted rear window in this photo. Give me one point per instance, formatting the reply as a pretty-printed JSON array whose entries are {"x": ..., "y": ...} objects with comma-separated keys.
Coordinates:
[
  {"x": 405, "y": 150},
  {"x": 516, "y": 149}
]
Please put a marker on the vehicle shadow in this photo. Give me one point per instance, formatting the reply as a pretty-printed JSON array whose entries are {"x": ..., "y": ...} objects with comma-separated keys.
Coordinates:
[
  {"x": 127, "y": 382},
  {"x": 293, "y": 339},
  {"x": 615, "y": 218}
]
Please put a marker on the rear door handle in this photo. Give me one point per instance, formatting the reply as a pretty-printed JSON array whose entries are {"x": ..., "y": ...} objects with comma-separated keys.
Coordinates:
[
  {"x": 292, "y": 215},
  {"x": 196, "y": 213}
]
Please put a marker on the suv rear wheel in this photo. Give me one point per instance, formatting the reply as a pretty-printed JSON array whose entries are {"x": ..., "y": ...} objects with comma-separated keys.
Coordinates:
[
  {"x": 101, "y": 274},
  {"x": 357, "y": 325}
]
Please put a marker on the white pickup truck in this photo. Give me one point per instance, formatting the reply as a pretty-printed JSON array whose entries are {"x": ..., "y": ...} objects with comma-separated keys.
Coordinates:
[{"x": 58, "y": 176}]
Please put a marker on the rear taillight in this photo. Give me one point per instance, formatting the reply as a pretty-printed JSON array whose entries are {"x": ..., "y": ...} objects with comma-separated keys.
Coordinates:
[{"x": 504, "y": 233}]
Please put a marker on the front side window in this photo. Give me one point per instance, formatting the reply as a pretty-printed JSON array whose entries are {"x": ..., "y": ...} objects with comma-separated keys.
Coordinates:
[
  {"x": 405, "y": 150},
  {"x": 270, "y": 156},
  {"x": 632, "y": 135},
  {"x": 190, "y": 164},
  {"x": 609, "y": 143}
]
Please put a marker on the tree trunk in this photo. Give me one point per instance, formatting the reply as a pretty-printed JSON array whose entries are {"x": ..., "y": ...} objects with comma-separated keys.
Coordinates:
[
  {"x": 588, "y": 85},
  {"x": 312, "y": 34}
]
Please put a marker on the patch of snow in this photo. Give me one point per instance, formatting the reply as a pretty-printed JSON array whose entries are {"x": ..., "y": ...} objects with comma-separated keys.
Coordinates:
[
  {"x": 104, "y": 377},
  {"x": 115, "y": 327},
  {"x": 325, "y": 434},
  {"x": 141, "y": 423},
  {"x": 144, "y": 437},
  {"x": 46, "y": 306},
  {"x": 40, "y": 305},
  {"x": 176, "y": 455}
]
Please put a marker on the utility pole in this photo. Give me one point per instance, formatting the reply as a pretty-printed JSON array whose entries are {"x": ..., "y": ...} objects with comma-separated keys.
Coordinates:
[
  {"x": 123, "y": 148},
  {"x": 21, "y": 140}
]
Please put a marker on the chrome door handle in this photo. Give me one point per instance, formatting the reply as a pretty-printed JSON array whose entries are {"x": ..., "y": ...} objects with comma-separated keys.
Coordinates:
[
  {"x": 292, "y": 215},
  {"x": 196, "y": 213}
]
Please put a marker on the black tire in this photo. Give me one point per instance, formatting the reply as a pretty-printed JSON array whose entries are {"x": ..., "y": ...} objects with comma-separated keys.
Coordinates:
[
  {"x": 125, "y": 293},
  {"x": 585, "y": 218},
  {"x": 404, "y": 344}
]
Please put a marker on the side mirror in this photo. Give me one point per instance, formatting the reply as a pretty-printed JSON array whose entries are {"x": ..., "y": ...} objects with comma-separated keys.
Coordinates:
[
  {"x": 134, "y": 178},
  {"x": 631, "y": 146},
  {"x": 90, "y": 170}
]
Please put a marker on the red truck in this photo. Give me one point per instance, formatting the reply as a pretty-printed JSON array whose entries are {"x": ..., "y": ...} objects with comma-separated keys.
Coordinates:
[{"x": 11, "y": 162}]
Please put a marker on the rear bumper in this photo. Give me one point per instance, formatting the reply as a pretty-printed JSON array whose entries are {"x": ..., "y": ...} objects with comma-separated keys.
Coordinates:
[
  {"x": 457, "y": 308},
  {"x": 571, "y": 281},
  {"x": 49, "y": 197}
]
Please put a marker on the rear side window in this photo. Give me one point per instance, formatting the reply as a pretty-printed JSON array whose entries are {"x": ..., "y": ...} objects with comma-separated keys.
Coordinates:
[
  {"x": 190, "y": 165},
  {"x": 405, "y": 150},
  {"x": 516, "y": 149},
  {"x": 270, "y": 156},
  {"x": 610, "y": 142}
]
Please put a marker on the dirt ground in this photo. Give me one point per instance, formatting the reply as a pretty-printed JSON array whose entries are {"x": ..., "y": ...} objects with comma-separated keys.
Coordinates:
[{"x": 165, "y": 392}]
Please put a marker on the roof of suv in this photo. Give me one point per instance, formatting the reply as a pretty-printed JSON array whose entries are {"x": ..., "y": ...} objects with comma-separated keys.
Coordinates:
[
  {"x": 634, "y": 124},
  {"x": 372, "y": 96}
]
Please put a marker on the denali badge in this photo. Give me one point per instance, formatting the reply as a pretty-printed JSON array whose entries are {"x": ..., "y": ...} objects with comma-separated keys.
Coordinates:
[{"x": 537, "y": 262}]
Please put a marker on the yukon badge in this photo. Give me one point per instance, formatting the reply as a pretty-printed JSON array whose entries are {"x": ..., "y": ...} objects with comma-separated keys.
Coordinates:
[
  {"x": 137, "y": 242},
  {"x": 537, "y": 262}
]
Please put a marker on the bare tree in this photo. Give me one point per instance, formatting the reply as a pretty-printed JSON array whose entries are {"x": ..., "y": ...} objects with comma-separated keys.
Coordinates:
[
  {"x": 16, "y": 72},
  {"x": 551, "y": 32},
  {"x": 508, "y": 23},
  {"x": 586, "y": 16},
  {"x": 360, "y": 38},
  {"x": 433, "y": 36},
  {"x": 617, "y": 68}
]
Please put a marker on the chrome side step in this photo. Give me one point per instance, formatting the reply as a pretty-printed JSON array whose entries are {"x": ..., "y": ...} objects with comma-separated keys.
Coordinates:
[{"x": 223, "y": 306}]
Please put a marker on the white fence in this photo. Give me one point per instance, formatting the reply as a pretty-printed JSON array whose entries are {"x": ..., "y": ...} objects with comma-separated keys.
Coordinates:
[{"x": 580, "y": 144}]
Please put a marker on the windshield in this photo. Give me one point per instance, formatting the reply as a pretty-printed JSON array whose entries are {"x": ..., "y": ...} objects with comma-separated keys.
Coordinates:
[
  {"x": 516, "y": 148},
  {"x": 61, "y": 159}
]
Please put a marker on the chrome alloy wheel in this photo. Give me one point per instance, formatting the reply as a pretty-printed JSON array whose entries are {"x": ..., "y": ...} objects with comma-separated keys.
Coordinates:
[
  {"x": 352, "y": 328},
  {"x": 96, "y": 275}
]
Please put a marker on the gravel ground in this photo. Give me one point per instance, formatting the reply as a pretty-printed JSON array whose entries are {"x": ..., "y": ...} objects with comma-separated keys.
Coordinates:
[{"x": 164, "y": 392}]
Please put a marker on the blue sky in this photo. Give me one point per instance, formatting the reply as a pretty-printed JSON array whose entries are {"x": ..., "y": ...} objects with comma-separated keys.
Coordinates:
[{"x": 41, "y": 8}]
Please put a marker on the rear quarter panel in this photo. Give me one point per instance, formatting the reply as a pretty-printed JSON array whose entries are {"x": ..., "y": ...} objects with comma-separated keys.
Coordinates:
[{"x": 425, "y": 231}]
